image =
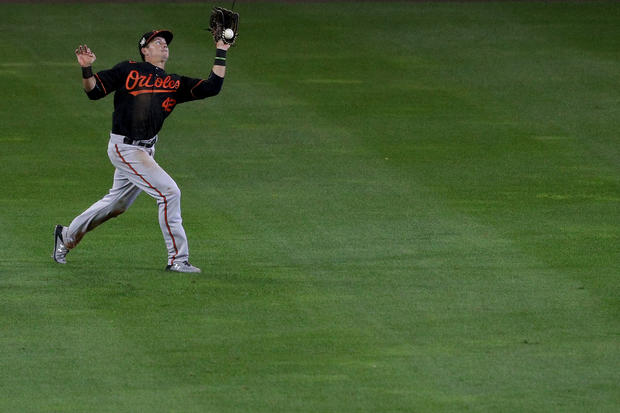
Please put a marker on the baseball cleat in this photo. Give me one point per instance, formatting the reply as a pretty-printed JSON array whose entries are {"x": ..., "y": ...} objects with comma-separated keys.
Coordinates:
[
  {"x": 60, "y": 250},
  {"x": 182, "y": 267}
]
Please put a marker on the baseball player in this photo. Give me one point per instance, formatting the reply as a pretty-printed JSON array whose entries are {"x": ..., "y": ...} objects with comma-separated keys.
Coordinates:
[{"x": 144, "y": 96}]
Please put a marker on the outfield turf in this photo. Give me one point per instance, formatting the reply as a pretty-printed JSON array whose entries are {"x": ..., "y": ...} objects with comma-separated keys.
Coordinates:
[{"x": 397, "y": 207}]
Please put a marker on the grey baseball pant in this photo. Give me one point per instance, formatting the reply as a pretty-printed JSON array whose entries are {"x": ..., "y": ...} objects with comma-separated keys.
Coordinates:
[{"x": 136, "y": 171}]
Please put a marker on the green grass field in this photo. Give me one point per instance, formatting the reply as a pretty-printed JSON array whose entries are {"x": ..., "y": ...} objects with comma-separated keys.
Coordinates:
[{"x": 397, "y": 207}]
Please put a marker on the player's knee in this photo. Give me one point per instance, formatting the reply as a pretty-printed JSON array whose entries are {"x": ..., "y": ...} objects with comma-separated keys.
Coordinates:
[{"x": 172, "y": 192}]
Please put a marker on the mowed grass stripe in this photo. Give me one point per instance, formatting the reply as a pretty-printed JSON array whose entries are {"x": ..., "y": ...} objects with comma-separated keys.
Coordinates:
[
  {"x": 315, "y": 231},
  {"x": 339, "y": 280}
]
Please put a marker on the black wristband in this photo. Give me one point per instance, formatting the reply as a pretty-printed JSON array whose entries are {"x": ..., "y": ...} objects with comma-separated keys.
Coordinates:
[
  {"x": 220, "y": 57},
  {"x": 87, "y": 72}
]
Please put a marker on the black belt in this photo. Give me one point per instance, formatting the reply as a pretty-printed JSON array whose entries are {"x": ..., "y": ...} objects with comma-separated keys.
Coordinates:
[{"x": 146, "y": 143}]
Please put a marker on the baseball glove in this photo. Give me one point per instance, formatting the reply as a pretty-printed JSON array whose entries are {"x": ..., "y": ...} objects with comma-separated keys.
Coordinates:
[{"x": 221, "y": 20}]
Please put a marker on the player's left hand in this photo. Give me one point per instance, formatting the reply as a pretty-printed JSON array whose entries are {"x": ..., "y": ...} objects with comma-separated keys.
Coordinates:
[{"x": 221, "y": 45}]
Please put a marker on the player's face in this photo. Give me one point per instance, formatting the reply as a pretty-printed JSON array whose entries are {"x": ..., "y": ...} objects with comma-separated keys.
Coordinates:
[{"x": 156, "y": 50}]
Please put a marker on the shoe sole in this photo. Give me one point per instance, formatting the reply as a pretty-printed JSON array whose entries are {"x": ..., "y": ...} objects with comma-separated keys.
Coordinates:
[
  {"x": 168, "y": 268},
  {"x": 57, "y": 236}
]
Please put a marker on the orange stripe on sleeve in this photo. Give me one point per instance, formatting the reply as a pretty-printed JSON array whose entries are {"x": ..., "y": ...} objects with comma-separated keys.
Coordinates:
[
  {"x": 104, "y": 91},
  {"x": 196, "y": 85}
]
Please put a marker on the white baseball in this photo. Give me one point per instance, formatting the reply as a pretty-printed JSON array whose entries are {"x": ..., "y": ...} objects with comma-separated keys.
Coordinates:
[{"x": 228, "y": 34}]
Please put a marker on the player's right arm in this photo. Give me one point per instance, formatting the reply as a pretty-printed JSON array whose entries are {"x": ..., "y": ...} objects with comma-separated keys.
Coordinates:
[
  {"x": 100, "y": 84},
  {"x": 86, "y": 58}
]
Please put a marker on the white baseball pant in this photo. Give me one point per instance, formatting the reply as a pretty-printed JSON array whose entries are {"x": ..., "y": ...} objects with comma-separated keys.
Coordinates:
[{"x": 136, "y": 171}]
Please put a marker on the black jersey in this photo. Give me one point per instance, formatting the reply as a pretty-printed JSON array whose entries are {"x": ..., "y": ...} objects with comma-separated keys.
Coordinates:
[{"x": 145, "y": 95}]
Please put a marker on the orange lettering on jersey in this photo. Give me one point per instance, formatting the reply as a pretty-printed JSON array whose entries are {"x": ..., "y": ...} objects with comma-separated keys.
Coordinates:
[
  {"x": 146, "y": 81},
  {"x": 168, "y": 104},
  {"x": 132, "y": 80},
  {"x": 137, "y": 84}
]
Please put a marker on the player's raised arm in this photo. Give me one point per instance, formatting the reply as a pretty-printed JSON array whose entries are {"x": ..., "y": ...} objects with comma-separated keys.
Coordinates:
[
  {"x": 224, "y": 26},
  {"x": 86, "y": 58},
  {"x": 219, "y": 67}
]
